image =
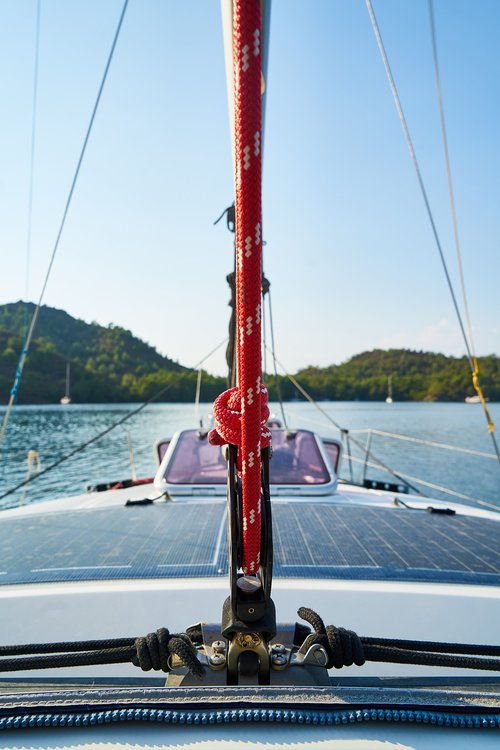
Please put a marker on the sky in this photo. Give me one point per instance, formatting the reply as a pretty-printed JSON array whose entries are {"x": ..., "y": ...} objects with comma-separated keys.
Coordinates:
[{"x": 349, "y": 250}]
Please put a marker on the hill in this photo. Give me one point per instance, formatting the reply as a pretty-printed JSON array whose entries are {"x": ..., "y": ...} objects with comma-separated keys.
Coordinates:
[
  {"x": 109, "y": 364},
  {"x": 416, "y": 376}
]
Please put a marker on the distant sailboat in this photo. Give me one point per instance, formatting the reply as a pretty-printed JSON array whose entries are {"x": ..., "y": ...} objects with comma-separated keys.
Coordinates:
[
  {"x": 388, "y": 400},
  {"x": 65, "y": 400}
]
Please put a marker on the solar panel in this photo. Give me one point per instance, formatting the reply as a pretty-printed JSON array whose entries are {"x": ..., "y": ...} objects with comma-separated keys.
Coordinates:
[{"x": 311, "y": 540}]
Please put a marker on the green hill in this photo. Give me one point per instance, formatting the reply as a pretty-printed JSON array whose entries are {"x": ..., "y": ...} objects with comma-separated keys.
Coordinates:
[
  {"x": 416, "y": 376},
  {"x": 109, "y": 364}
]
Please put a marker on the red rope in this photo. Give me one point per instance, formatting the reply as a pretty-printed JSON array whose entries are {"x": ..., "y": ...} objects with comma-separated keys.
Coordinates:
[
  {"x": 228, "y": 421},
  {"x": 249, "y": 399}
]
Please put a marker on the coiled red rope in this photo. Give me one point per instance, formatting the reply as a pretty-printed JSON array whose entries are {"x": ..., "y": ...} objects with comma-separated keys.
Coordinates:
[
  {"x": 227, "y": 413},
  {"x": 248, "y": 399}
]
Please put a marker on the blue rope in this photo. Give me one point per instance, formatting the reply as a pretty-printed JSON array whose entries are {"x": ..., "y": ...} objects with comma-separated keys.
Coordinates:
[{"x": 456, "y": 719}]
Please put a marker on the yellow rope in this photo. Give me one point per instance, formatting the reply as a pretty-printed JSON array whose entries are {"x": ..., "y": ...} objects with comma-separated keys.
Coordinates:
[{"x": 479, "y": 391}]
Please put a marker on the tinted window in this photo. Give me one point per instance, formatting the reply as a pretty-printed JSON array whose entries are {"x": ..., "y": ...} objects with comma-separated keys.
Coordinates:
[{"x": 296, "y": 460}]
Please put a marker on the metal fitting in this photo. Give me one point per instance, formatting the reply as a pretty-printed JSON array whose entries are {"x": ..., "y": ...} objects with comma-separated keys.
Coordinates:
[
  {"x": 248, "y": 640},
  {"x": 217, "y": 661},
  {"x": 279, "y": 661},
  {"x": 278, "y": 648},
  {"x": 219, "y": 646}
]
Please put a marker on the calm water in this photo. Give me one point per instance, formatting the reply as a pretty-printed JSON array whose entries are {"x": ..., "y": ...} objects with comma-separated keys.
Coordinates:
[{"x": 54, "y": 431}]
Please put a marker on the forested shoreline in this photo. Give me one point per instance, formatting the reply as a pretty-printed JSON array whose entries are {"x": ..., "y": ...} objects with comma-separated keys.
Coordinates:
[{"x": 110, "y": 365}]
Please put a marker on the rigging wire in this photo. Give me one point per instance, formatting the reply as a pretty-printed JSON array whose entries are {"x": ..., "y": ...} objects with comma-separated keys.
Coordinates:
[
  {"x": 453, "y": 209},
  {"x": 198, "y": 419},
  {"x": 273, "y": 354},
  {"x": 409, "y": 438},
  {"x": 413, "y": 155},
  {"x": 433, "y": 486},
  {"x": 111, "y": 427},
  {"x": 343, "y": 431},
  {"x": 433, "y": 444},
  {"x": 430, "y": 215},
  {"x": 30, "y": 202},
  {"x": 34, "y": 319},
  {"x": 32, "y": 151}
]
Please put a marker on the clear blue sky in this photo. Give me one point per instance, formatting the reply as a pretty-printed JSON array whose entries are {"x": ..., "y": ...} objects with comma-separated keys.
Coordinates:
[{"x": 349, "y": 251}]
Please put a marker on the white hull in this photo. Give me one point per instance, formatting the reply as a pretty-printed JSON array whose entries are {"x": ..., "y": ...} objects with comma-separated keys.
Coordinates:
[{"x": 114, "y": 608}]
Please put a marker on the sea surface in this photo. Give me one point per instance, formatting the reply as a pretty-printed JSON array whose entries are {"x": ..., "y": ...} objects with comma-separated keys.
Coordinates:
[{"x": 56, "y": 431}]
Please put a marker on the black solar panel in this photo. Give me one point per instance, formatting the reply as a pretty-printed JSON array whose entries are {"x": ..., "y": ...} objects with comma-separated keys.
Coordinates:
[{"x": 311, "y": 540}]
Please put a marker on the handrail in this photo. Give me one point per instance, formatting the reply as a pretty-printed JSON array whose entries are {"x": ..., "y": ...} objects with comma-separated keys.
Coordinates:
[{"x": 432, "y": 486}]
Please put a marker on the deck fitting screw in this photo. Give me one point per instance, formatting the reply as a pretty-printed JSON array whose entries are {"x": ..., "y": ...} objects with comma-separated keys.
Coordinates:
[
  {"x": 217, "y": 660},
  {"x": 278, "y": 648},
  {"x": 219, "y": 646},
  {"x": 279, "y": 660},
  {"x": 248, "y": 640}
]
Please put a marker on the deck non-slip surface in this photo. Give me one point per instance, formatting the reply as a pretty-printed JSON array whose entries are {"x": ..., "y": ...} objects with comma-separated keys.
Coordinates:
[{"x": 311, "y": 540}]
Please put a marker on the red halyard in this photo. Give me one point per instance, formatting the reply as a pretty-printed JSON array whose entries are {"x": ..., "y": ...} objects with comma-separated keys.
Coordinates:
[{"x": 248, "y": 402}]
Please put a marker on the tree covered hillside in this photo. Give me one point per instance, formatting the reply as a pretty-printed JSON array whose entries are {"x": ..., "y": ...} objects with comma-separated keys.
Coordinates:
[
  {"x": 416, "y": 376},
  {"x": 109, "y": 364}
]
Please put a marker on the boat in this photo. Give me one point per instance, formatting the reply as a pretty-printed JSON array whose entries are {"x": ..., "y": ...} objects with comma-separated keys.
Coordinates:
[
  {"x": 372, "y": 620},
  {"x": 388, "y": 400},
  {"x": 474, "y": 399},
  {"x": 66, "y": 399}
]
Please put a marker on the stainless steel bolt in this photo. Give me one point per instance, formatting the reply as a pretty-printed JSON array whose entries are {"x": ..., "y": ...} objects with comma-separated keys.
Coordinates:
[
  {"x": 278, "y": 648},
  {"x": 219, "y": 646},
  {"x": 217, "y": 660},
  {"x": 248, "y": 640},
  {"x": 279, "y": 660}
]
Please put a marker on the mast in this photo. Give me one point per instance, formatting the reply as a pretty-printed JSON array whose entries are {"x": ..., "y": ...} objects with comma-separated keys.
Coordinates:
[
  {"x": 67, "y": 380},
  {"x": 66, "y": 399},
  {"x": 388, "y": 400}
]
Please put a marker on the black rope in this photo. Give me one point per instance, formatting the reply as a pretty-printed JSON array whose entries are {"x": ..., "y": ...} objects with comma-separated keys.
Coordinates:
[
  {"x": 151, "y": 652},
  {"x": 232, "y": 375},
  {"x": 230, "y": 214},
  {"x": 195, "y": 634},
  {"x": 345, "y": 648}
]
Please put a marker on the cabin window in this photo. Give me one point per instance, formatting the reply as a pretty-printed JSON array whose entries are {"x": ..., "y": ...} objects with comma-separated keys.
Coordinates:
[
  {"x": 296, "y": 460},
  {"x": 333, "y": 449},
  {"x": 162, "y": 448}
]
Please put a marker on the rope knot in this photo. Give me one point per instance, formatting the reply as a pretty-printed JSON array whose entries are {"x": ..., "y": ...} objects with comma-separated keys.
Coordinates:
[
  {"x": 228, "y": 409},
  {"x": 153, "y": 652},
  {"x": 343, "y": 647}
]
